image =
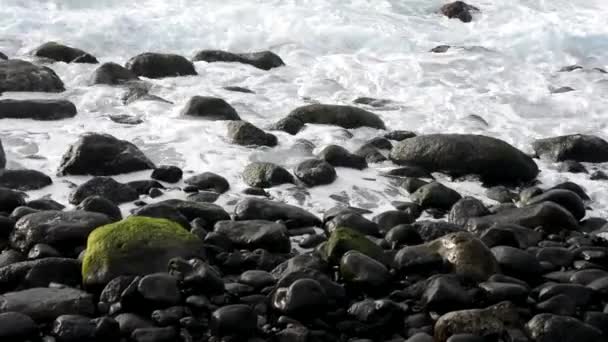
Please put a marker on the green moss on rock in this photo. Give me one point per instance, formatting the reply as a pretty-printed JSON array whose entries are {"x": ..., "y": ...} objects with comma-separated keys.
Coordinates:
[
  {"x": 135, "y": 246},
  {"x": 343, "y": 240}
]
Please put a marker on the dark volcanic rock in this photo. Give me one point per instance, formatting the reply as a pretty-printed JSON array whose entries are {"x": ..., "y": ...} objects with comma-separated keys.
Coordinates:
[
  {"x": 264, "y": 60},
  {"x": 64, "y": 230},
  {"x": 2, "y": 156},
  {"x": 209, "y": 212},
  {"x": 3, "y": 56},
  {"x": 102, "y": 155},
  {"x": 436, "y": 195},
  {"x": 549, "y": 215},
  {"x": 261, "y": 209},
  {"x": 159, "y": 65},
  {"x": 516, "y": 262},
  {"x": 569, "y": 200},
  {"x": 348, "y": 218},
  {"x": 399, "y": 135},
  {"x": 579, "y": 147},
  {"x": 167, "y": 173},
  {"x": 315, "y": 172},
  {"x": 112, "y": 74},
  {"x": 265, "y": 175},
  {"x": 245, "y": 133},
  {"x": 37, "y": 109},
  {"x": 460, "y": 10},
  {"x": 495, "y": 161},
  {"x": 209, "y": 181},
  {"x": 343, "y": 116},
  {"x": 550, "y": 328},
  {"x": 160, "y": 289},
  {"x": 466, "y": 208},
  {"x": 73, "y": 328},
  {"x": 62, "y": 53},
  {"x": 10, "y": 199},
  {"x": 102, "y": 205},
  {"x": 234, "y": 320},
  {"x": 210, "y": 108},
  {"x": 303, "y": 298},
  {"x": 362, "y": 270},
  {"x": 46, "y": 304},
  {"x": 24, "y": 179},
  {"x": 105, "y": 187},
  {"x": 39, "y": 273},
  {"x": 18, "y": 75},
  {"x": 15, "y": 326},
  {"x": 339, "y": 156},
  {"x": 254, "y": 234}
]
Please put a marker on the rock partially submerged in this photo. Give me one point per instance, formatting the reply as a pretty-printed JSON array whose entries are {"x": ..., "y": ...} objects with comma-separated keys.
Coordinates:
[
  {"x": 160, "y": 65},
  {"x": 266, "y": 175},
  {"x": 460, "y": 10},
  {"x": 63, "y": 53},
  {"x": 102, "y": 155},
  {"x": 343, "y": 116},
  {"x": 24, "y": 179},
  {"x": 245, "y": 133},
  {"x": 37, "y": 109},
  {"x": 210, "y": 108},
  {"x": 494, "y": 160},
  {"x": 261, "y": 209},
  {"x": 19, "y": 75},
  {"x": 264, "y": 60},
  {"x": 112, "y": 74},
  {"x": 578, "y": 147}
]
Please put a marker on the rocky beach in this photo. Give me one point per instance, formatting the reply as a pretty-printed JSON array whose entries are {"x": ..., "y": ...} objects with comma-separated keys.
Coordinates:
[{"x": 301, "y": 171}]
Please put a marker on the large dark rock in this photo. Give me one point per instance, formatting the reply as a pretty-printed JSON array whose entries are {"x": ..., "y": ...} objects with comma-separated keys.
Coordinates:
[
  {"x": 495, "y": 161},
  {"x": 569, "y": 200},
  {"x": 210, "y": 108},
  {"x": 343, "y": 240},
  {"x": 265, "y": 175},
  {"x": 516, "y": 262},
  {"x": 303, "y": 298},
  {"x": 353, "y": 220},
  {"x": 550, "y": 328},
  {"x": 159, "y": 65},
  {"x": 73, "y": 328},
  {"x": 18, "y": 75},
  {"x": 261, "y": 209},
  {"x": 62, "y": 53},
  {"x": 460, "y": 10},
  {"x": 64, "y": 230},
  {"x": 549, "y": 215},
  {"x": 112, "y": 74},
  {"x": 209, "y": 212},
  {"x": 343, "y": 116},
  {"x": 234, "y": 320},
  {"x": 24, "y": 179},
  {"x": 579, "y": 147},
  {"x": 39, "y": 273},
  {"x": 339, "y": 156},
  {"x": 245, "y": 133},
  {"x": 2, "y": 156},
  {"x": 489, "y": 322},
  {"x": 209, "y": 181},
  {"x": 44, "y": 304},
  {"x": 264, "y": 60},
  {"x": 362, "y": 270},
  {"x": 254, "y": 234},
  {"x": 15, "y": 326},
  {"x": 167, "y": 173},
  {"x": 105, "y": 187},
  {"x": 102, "y": 155},
  {"x": 466, "y": 208},
  {"x": 435, "y": 195},
  {"x": 37, "y": 109},
  {"x": 102, "y": 205},
  {"x": 159, "y": 289},
  {"x": 315, "y": 172}
]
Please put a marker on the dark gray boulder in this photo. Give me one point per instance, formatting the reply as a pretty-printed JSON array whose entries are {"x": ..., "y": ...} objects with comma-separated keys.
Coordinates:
[
  {"x": 565, "y": 198},
  {"x": 261, "y": 209},
  {"x": 245, "y": 133},
  {"x": 339, "y": 156},
  {"x": 102, "y": 205},
  {"x": 15, "y": 326},
  {"x": 459, "y": 10},
  {"x": 18, "y": 75},
  {"x": 112, "y": 74},
  {"x": 210, "y": 108},
  {"x": 254, "y": 234},
  {"x": 549, "y": 328},
  {"x": 160, "y": 65},
  {"x": 264, "y": 60},
  {"x": 24, "y": 179},
  {"x": 102, "y": 155},
  {"x": 105, "y": 187},
  {"x": 63, "y": 53},
  {"x": 549, "y": 215},
  {"x": 64, "y": 230},
  {"x": 315, "y": 172},
  {"x": 578, "y": 147},
  {"x": 209, "y": 212},
  {"x": 37, "y": 109},
  {"x": 21, "y": 275},
  {"x": 343, "y": 116},
  {"x": 265, "y": 175},
  {"x": 167, "y": 173},
  {"x": 10, "y": 199},
  {"x": 435, "y": 195},
  {"x": 45, "y": 304},
  {"x": 494, "y": 160},
  {"x": 466, "y": 208},
  {"x": 209, "y": 181}
]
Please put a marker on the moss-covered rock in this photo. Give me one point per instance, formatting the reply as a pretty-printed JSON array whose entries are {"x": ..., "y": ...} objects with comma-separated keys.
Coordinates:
[
  {"x": 135, "y": 246},
  {"x": 343, "y": 240}
]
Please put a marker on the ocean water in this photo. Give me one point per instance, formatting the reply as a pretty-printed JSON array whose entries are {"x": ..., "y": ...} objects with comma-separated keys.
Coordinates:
[{"x": 502, "y": 69}]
